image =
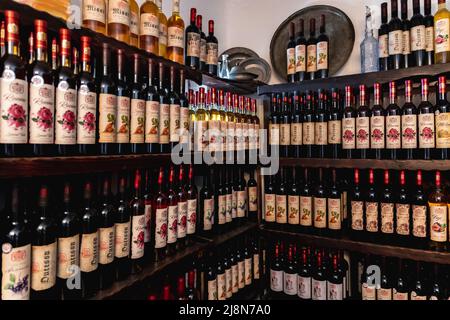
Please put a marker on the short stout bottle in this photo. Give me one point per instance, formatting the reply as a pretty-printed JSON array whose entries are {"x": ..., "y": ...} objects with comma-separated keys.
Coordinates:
[
  {"x": 322, "y": 51},
  {"x": 429, "y": 33},
  {"x": 334, "y": 206},
  {"x": 363, "y": 115},
  {"x": 269, "y": 202},
  {"x": 383, "y": 39},
  {"x": 387, "y": 218},
  {"x": 396, "y": 59},
  {"x": 276, "y": 274},
  {"x": 152, "y": 116},
  {"x": 426, "y": 128},
  {"x": 335, "y": 126},
  {"x": 212, "y": 50},
  {"x": 293, "y": 202},
  {"x": 308, "y": 127},
  {"x": 378, "y": 124},
  {"x": 393, "y": 124},
  {"x": 172, "y": 213},
  {"x": 438, "y": 220},
  {"x": 300, "y": 52},
  {"x": 409, "y": 124},
  {"x": 403, "y": 213},
  {"x": 122, "y": 231},
  {"x": 442, "y": 120},
  {"x": 192, "y": 206},
  {"x": 159, "y": 220},
  {"x": 321, "y": 127},
  {"x": 311, "y": 51},
  {"x": 164, "y": 112},
  {"x": 372, "y": 215},
  {"x": 357, "y": 208},
  {"x": 306, "y": 204},
  {"x": 192, "y": 44},
  {"x": 281, "y": 200},
  {"x": 137, "y": 111},
  {"x": 320, "y": 206},
  {"x": 304, "y": 276},
  {"x": 441, "y": 33},
  {"x": 290, "y": 54},
  {"x": 420, "y": 214},
  {"x": 418, "y": 36},
  {"x": 182, "y": 209},
  {"x": 123, "y": 106},
  {"x": 253, "y": 197},
  {"x": 137, "y": 235},
  {"x": 348, "y": 126}
]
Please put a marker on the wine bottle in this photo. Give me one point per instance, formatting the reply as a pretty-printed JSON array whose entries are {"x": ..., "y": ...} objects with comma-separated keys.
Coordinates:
[
  {"x": 228, "y": 275},
  {"x": 420, "y": 214},
  {"x": 172, "y": 218},
  {"x": 372, "y": 215},
  {"x": 306, "y": 204},
  {"x": 231, "y": 128},
  {"x": 388, "y": 223},
  {"x": 335, "y": 282},
  {"x": 203, "y": 55},
  {"x": 393, "y": 124},
  {"x": 248, "y": 265},
  {"x": 123, "y": 106},
  {"x": 322, "y": 51},
  {"x": 269, "y": 202},
  {"x": 234, "y": 271},
  {"x": 159, "y": 220},
  {"x": 119, "y": 20},
  {"x": 174, "y": 112},
  {"x": 276, "y": 274},
  {"x": 403, "y": 212},
  {"x": 438, "y": 219},
  {"x": 293, "y": 202},
  {"x": 401, "y": 283},
  {"x": 441, "y": 33},
  {"x": 384, "y": 291},
  {"x": 191, "y": 291},
  {"x": 406, "y": 36},
  {"x": 281, "y": 200},
  {"x": 164, "y": 112},
  {"x": 290, "y": 54},
  {"x": 149, "y": 27},
  {"x": 334, "y": 205},
  {"x": 419, "y": 289},
  {"x": 319, "y": 279},
  {"x": 221, "y": 279},
  {"x": 383, "y": 39},
  {"x": 290, "y": 276},
  {"x": 212, "y": 50},
  {"x": 192, "y": 215},
  {"x": 321, "y": 127},
  {"x": 285, "y": 127},
  {"x": 363, "y": 116},
  {"x": 320, "y": 206},
  {"x": 206, "y": 222},
  {"x": 211, "y": 278},
  {"x": 42, "y": 96},
  {"x": 181, "y": 288},
  {"x": 304, "y": 276},
  {"x": 335, "y": 126},
  {"x": 122, "y": 228},
  {"x": 2, "y": 39},
  {"x": 429, "y": 34},
  {"x": 152, "y": 112},
  {"x": 137, "y": 112},
  {"x": 300, "y": 52},
  {"x": 192, "y": 44},
  {"x": 242, "y": 202},
  {"x": 409, "y": 124},
  {"x": 426, "y": 133},
  {"x": 396, "y": 59},
  {"x": 182, "y": 210},
  {"x": 148, "y": 231},
  {"x": 137, "y": 208},
  {"x": 308, "y": 127},
  {"x": 184, "y": 111},
  {"x": 348, "y": 126},
  {"x": 357, "y": 208},
  {"x": 442, "y": 121},
  {"x": 257, "y": 277},
  {"x": 296, "y": 129},
  {"x": 311, "y": 51},
  {"x": 368, "y": 285},
  {"x": 378, "y": 125},
  {"x": 234, "y": 183},
  {"x": 274, "y": 124},
  {"x": 418, "y": 36},
  {"x": 436, "y": 284},
  {"x": 253, "y": 197},
  {"x": 221, "y": 201}
]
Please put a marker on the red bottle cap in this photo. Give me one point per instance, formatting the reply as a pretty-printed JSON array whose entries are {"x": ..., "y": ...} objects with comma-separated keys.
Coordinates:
[
  {"x": 40, "y": 30},
  {"x": 386, "y": 177},
  {"x": 65, "y": 37}
]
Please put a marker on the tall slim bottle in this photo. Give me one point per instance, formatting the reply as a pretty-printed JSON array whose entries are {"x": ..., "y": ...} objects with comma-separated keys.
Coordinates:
[
  {"x": 175, "y": 41},
  {"x": 383, "y": 39},
  {"x": 442, "y": 120},
  {"x": 137, "y": 110},
  {"x": 418, "y": 36},
  {"x": 123, "y": 106},
  {"x": 335, "y": 126},
  {"x": 378, "y": 124},
  {"x": 426, "y": 128},
  {"x": 164, "y": 112},
  {"x": 406, "y": 38},
  {"x": 192, "y": 211},
  {"x": 290, "y": 54},
  {"x": 322, "y": 51},
  {"x": 300, "y": 52},
  {"x": 308, "y": 127},
  {"x": 159, "y": 229},
  {"x": 162, "y": 30},
  {"x": 311, "y": 51},
  {"x": 183, "y": 196},
  {"x": 122, "y": 232},
  {"x": 437, "y": 201},
  {"x": 409, "y": 124},
  {"x": 393, "y": 124},
  {"x": 134, "y": 24},
  {"x": 363, "y": 125},
  {"x": 192, "y": 44},
  {"x": 174, "y": 111},
  {"x": 152, "y": 114},
  {"x": 203, "y": 56},
  {"x": 429, "y": 33},
  {"x": 149, "y": 25},
  {"x": 321, "y": 127},
  {"x": 441, "y": 33},
  {"x": 119, "y": 20},
  {"x": 396, "y": 59},
  {"x": 206, "y": 221},
  {"x": 348, "y": 126},
  {"x": 212, "y": 50},
  {"x": 172, "y": 213}
]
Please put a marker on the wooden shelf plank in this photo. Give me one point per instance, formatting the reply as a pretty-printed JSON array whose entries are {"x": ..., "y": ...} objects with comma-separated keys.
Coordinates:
[{"x": 363, "y": 247}]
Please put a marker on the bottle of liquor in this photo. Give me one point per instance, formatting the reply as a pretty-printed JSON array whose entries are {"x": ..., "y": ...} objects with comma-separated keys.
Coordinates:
[
  {"x": 363, "y": 116},
  {"x": 159, "y": 220},
  {"x": 119, "y": 20},
  {"x": 377, "y": 125},
  {"x": 384, "y": 291},
  {"x": 368, "y": 285},
  {"x": 290, "y": 275},
  {"x": 438, "y": 219},
  {"x": 175, "y": 42},
  {"x": 406, "y": 38},
  {"x": 122, "y": 232},
  {"x": 229, "y": 197},
  {"x": 418, "y": 36},
  {"x": 372, "y": 212},
  {"x": 221, "y": 278},
  {"x": 306, "y": 204},
  {"x": 174, "y": 112},
  {"x": 221, "y": 201},
  {"x": 419, "y": 290},
  {"x": 436, "y": 288},
  {"x": 335, "y": 126},
  {"x": 281, "y": 200},
  {"x": 304, "y": 276},
  {"x": 212, "y": 50},
  {"x": 293, "y": 202},
  {"x": 409, "y": 124},
  {"x": 335, "y": 282},
  {"x": 322, "y": 51},
  {"x": 2, "y": 39},
  {"x": 311, "y": 51},
  {"x": 249, "y": 143},
  {"x": 192, "y": 45},
  {"x": 393, "y": 124},
  {"x": 94, "y": 15},
  {"x": 348, "y": 126},
  {"x": 401, "y": 283},
  {"x": 319, "y": 279},
  {"x": 426, "y": 133},
  {"x": 248, "y": 265},
  {"x": 357, "y": 208},
  {"x": 164, "y": 112},
  {"x": 403, "y": 212},
  {"x": 203, "y": 55},
  {"x": 231, "y": 126},
  {"x": 191, "y": 290},
  {"x": 43, "y": 251},
  {"x": 442, "y": 120},
  {"x": 285, "y": 127},
  {"x": 441, "y": 33},
  {"x": 148, "y": 202},
  {"x": 419, "y": 214},
  {"x": 172, "y": 217},
  {"x": 334, "y": 205},
  {"x": 134, "y": 24},
  {"x": 206, "y": 222},
  {"x": 300, "y": 52},
  {"x": 211, "y": 278},
  {"x": 234, "y": 181},
  {"x": 388, "y": 223},
  {"x": 181, "y": 288},
  {"x": 107, "y": 112},
  {"x": 276, "y": 274},
  {"x": 137, "y": 207},
  {"x": 274, "y": 123},
  {"x": 192, "y": 215},
  {"x": 68, "y": 246},
  {"x": 201, "y": 124},
  {"x": 290, "y": 54},
  {"x": 137, "y": 112},
  {"x": 296, "y": 127},
  {"x": 152, "y": 116},
  {"x": 149, "y": 27},
  {"x": 87, "y": 102},
  {"x": 184, "y": 111},
  {"x": 123, "y": 106},
  {"x": 234, "y": 271},
  {"x": 214, "y": 123},
  {"x": 308, "y": 127},
  {"x": 106, "y": 236},
  {"x": 320, "y": 206},
  {"x": 242, "y": 202},
  {"x": 253, "y": 197},
  {"x": 321, "y": 127},
  {"x": 383, "y": 39},
  {"x": 182, "y": 210},
  {"x": 89, "y": 245},
  {"x": 14, "y": 103},
  {"x": 269, "y": 202},
  {"x": 369, "y": 47},
  {"x": 429, "y": 33},
  {"x": 396, "y": 59},
  {"x": 162, "y": 41},
  {"x": 42, "y": 95}
]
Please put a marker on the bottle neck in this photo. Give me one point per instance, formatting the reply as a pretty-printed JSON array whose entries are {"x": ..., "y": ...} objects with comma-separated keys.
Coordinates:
[{"x": 41, "y": 54}]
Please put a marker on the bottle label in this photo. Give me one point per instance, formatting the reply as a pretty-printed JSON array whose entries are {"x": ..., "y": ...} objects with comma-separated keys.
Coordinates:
[
  {"x": 344, "y": 206},
  {"x": 42, "y": 108},
  {"x": 148, "y": 222},
  {"x": 256, "y": 274},
  {"x": 399, "y": 295},
  {"x": 393, "y": 129},
  {"x": 308, "y": 133},
  {"x": 335, "y": 291},
  {"x": 192, "y": 216},
  {"x": 294, "y": 210},
  {"x": 290, "y": 284},
  {"x": 269, "y": 204},
  {"x": 89, "y": 252},
  {"x": 383, "y": 46},
  {"x": 306, "y": 211},
  {"x": 16, "y": 263},
  {"x": 122, "y": 242},
  {"x": 416, "y": 297},
  {"x": 362, "y": 133},
  {"x": 403, "y": 216},
  {"x": 149, "y": 25},
  {"x": 119, "y": 12},
  {"x": 94, "y": 11},
  {"x": 387, "y": 218},
  {"x": 357, "y": 215},
  {"x": 442, "y": 130},
  {"x": 409, "y": 128},
  {"x": 418, "y": 41},
  {"x": 172, "y": 221},
  {"x": 201, "y": 138},
  {"x": 348, "y": 133},
  {"x": 229, "y": 283},
  {"x": 322, "y": 55},
  {"x": 203, "y": 55},
  {"x": 438, "y": 223},
  {"x": 281, "y": 209},
  {"x": 208, "y": 214},
  {"x": 164, "y": 124},
  {"x": 372, "y": 216},
  {"x": 311, "y": 52},
  {"x": 253, "y": 199},
  {"x": 66, "y": 115},
  {"x": 429, "y": 38},
  {"x": 321, "y": 133},
  {"x": 229, "y": 208},
  {"x": 248, "y": 271},
  {"x": 123, "y": 120},
  {"x": 234, "y": 205},
  {"x": 395, "y": 42},
  {"x": 368, "y": 292},
  {"x": 419, "y": 221},
  {"x": 224, "y": 135},
  {"x": 184, "y": 123},
  {"x": 276, "y": 280},
  {"x": 296, "y": 134},
  {"x": 137, "y": 121},
  {"x": 152, "y": 122},
  {"x": 300, "y": 58},
  {"x": 290, "y": 58},
  {"x": 319, "y": 290},
  {"x": 107, "y": 121},
  {"x": 68, "y": 256},
  {"x": 182, "y": 219},
  {"x": 106, "y": 245},
  {"x": 241, "y": 274},
  {"x": 334, "y": 214},
  {"x": 241, "y": 204},
  {"x": 175, "y": 37},
  {"x": 161, "y": 228},
  {"x": 426, "y": 131},
  {"x": 193, "y": 44},
  {"x": 406, "y": 40},
  {"x": 274, "y": 134},
  {"x": 87, "y": 110},
  {"x": 14, "y": 109},
  {"x": 212, "y": 53},
  {"x": 214, "y": 132},
  {"x": 222, "y": 209},
  {"x": 285, "y": 134},
  {"x": 137, "y": 236},
  {"x": 43, "y": 267},
  {"x": 134, "y": 23},
  {"x": 320, "y": 213},
  {"x": 334, "y": 132},
  {"x": 441, "y": 35},
  {"x": 221, "y": 287},
  {"x": 212, "y": 290},
  {"x": 174, "y": 123},
  {"x": 234, "y": 278},
  {"x": 384, "y": 294},
  {"x": 377, "y": 139},
  {"x": 163, "y": 34},
  {"x": 231, "y": 136},
  {"x": 304, "y": 287}
]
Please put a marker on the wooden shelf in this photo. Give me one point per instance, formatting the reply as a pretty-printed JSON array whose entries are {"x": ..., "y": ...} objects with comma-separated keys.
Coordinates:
[
  {"x": 426, "y": 165},
  {"x": 363, "y": 247},
  {"x": 29, "y": 14},
  {"x": 149, "y": 271},
  {"x": 368, "y": 79}
]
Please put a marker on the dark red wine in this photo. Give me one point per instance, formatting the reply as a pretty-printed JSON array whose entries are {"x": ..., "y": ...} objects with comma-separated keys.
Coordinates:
[
  {"x": 409, "y": 124},
  {"x": 172, "y": 213},
  {"x": 122, "y": 232},
  {"x": 137, "y": 111},
  {"x": 363, "y": 125},
  {"x": 159, "y": 221}
]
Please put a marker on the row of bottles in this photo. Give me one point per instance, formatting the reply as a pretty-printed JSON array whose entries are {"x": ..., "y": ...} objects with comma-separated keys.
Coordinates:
[{"x": 306, "y": 125}]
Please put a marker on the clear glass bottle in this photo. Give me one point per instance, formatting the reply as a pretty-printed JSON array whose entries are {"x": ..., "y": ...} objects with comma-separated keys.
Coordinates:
[
  {"x": 94, "y": 15},
  {"x": 175, "y": 41},
  {"x": 369, "y": 47},
  {"x": 149, "y": 27},
  {"x": 134, "y": 23},
  {"x": 119, "y": 20},
  {"x": 162, "y": 30}
]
